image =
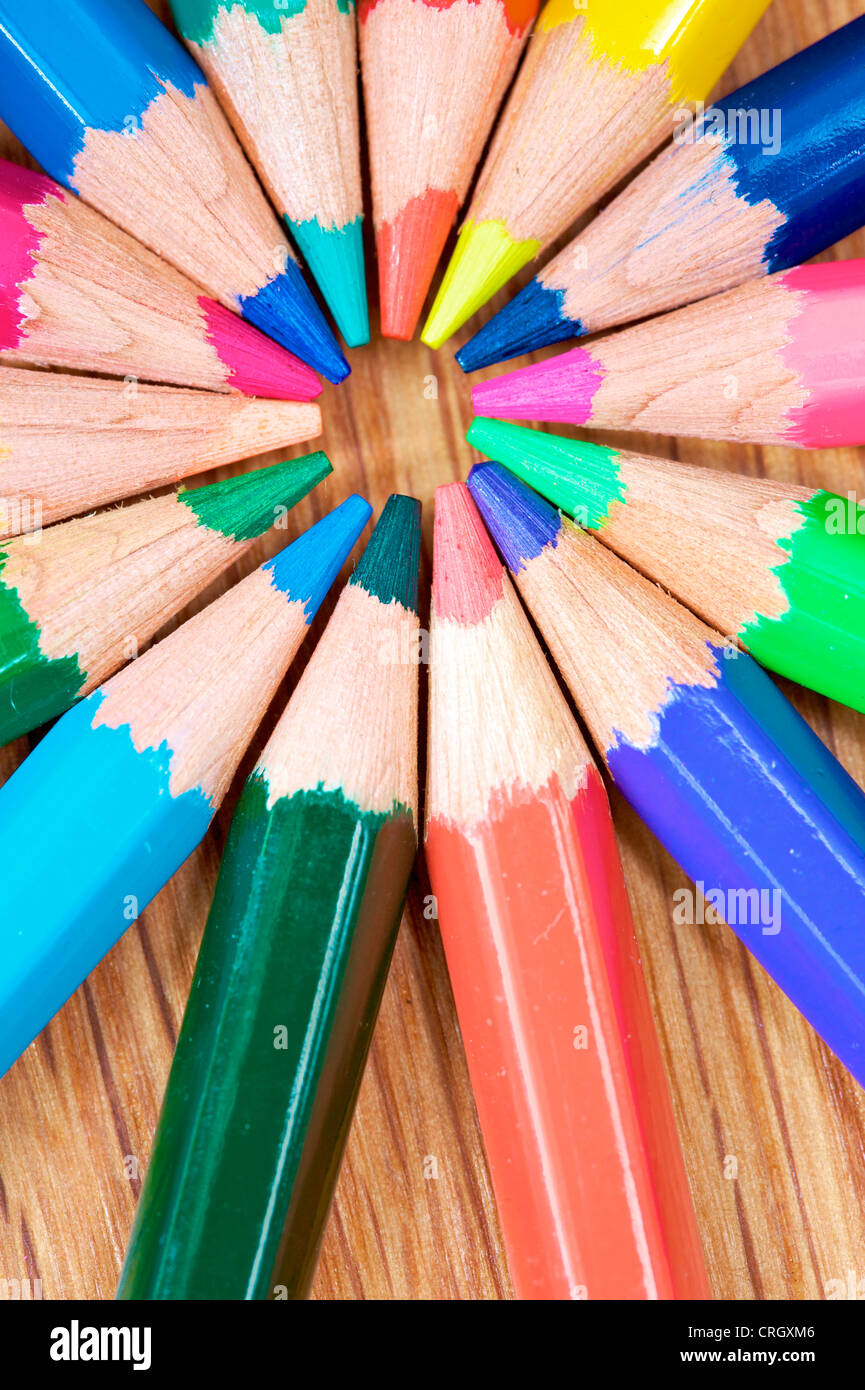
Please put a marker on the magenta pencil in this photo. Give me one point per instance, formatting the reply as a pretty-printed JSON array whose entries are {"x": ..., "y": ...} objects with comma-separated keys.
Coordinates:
[
  {"x": 777, "y": 361},
  {"x": 76, "y": 291}
]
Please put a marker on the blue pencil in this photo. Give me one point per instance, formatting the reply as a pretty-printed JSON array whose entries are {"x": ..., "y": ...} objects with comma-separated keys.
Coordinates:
[
  {"x": 111, "y": 105},
  {"x": 123, "y": 788},
  {"x": 709, "y": 752},
  {"x": 762, "y": 181}
]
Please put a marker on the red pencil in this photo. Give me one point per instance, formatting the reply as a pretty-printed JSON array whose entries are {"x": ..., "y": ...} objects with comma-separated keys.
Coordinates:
[{"x": 567, "y": 1073}]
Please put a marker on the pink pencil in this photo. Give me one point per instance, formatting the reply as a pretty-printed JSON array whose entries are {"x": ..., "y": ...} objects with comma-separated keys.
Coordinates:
[
  {"x": 76, "y": 291},
  {"x": 779, "y": 361}
]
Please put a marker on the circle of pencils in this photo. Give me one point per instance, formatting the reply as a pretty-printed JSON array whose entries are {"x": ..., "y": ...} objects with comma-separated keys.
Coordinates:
[{"x": 155, "y": 325}]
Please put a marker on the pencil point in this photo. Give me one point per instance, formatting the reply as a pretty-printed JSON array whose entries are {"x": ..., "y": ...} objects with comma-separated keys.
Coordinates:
[
  {"x": 561, "y": 388},
  {"x": 306, "y": 569},
  {"x": 409, "y": 248},
  {"x": 258, "y": 366},
  {"x": 388, "y": 567},
  {"x": 467, "y": 572},
  {"x": 285, "y": 309},
  {"x": 247, "y": 505},
  {"x": 520, "y": 522},
  {"x": 335, "y": 258},
  {"x": 583, "y": 479},
  {"x": 485, "y": 258},
  {"x": 533, "y": 319}
]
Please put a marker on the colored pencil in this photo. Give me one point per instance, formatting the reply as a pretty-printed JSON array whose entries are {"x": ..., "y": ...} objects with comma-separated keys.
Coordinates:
[
  {"x": 71, "y": 443},
  {"x": 434, "y": 74},
  {"x": 779, "y": 568},
  {"x": 567, "y": 1074},
  {"x": 121, "y": 790},
  {"x": 765, "y": 179},
  {"x": 112, "y": 106},
  {"x": 293, "y": 961},
  {"x": 729, "y": 777},
  {"x": 286, "y": 75},
  {"x": 76, "y": 291},
  {"x": 602, "y": 86},
  {"x": 81, "y": 602},
  {"x": 776, "y": 361}
]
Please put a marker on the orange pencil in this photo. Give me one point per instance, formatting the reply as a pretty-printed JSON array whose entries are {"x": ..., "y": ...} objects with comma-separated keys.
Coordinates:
[
  {"x": 567, "y": 1073},
  {"x": 434, "y": 74}
]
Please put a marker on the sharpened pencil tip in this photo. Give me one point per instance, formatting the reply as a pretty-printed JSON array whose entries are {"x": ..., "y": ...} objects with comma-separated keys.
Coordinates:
[
  {"x": 285, "y": 309},
  {"x": 582, "y": 478},
  {"x": 467, "y": 572},
  {"x": 306, "y": 569},
  {"x": 388, "y": 567},
  {"x": 248, "y": 504},
  {"x": 533, "y": 319},
  {"x": 485, "y": 258},
  {"x": 257, "y": 365},
  {"x": 409, "y": 248},
  {"x": 520, "y": 522},
  {"x": 334, "y": 256}
]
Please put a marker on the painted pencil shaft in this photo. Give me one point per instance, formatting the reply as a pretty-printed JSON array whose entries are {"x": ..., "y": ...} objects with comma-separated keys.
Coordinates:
[
  {"x": 553, "y": 1010},
  {"x": 602, "y": 86},
  {"x": 777, "y": 361},
  {"x": 717, "y": 762},
  {"x": 111, "y": 105},
  {"x": 434, "y": 75},
  {"x": 92, "y": 592},
  {"x": 293, "y": 961},
  {"x": 76, "y": 291},
  {"x": 287, "y": 77},
  {"x": 765, "y": 179},
  {"x": 777, "y": 567},
  {"x": 71, "y": 443},
  {"x": 120, "y": 791}
]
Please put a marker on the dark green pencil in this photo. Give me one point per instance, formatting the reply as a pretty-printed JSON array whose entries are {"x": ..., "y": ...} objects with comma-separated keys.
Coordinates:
[{"x": 293, "y": 961}]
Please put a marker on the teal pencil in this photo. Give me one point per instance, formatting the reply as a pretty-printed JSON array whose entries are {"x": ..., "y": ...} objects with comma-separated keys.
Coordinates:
[{"x": 287, "y": 77}]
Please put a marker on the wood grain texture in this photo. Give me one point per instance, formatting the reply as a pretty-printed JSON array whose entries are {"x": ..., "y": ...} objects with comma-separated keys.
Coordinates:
[{"x": 773, "y": 1127}]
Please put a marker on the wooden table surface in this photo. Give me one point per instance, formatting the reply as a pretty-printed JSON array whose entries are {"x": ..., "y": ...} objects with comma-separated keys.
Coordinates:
[{"x": 772, "y": 1126}]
